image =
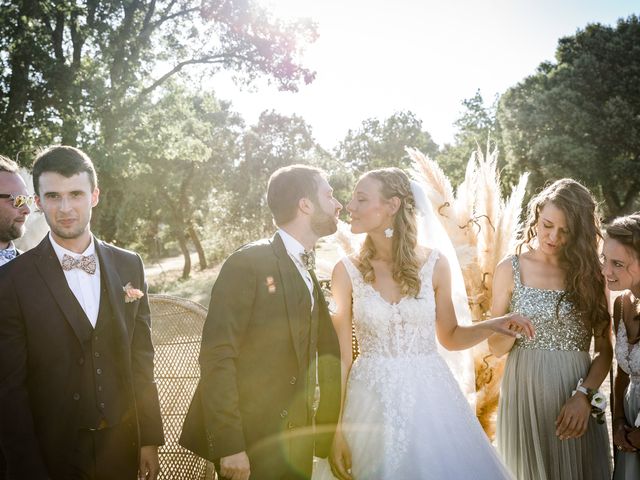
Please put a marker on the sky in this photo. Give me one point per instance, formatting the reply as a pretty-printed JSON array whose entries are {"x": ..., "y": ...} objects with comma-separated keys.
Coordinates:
[{"x": 377, "y": 57}]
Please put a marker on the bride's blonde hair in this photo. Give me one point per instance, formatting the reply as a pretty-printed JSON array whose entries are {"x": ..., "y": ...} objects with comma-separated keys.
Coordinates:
[{"x": 406, "y": 263}]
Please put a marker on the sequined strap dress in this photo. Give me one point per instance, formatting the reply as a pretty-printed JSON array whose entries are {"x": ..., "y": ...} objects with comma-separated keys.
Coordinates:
[
  {"x": 539, "y": 376},
  {"x": 628, "y": 358}
]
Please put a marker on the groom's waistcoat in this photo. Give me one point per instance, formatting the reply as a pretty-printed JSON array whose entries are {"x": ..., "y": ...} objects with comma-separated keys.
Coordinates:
[{"x": 99, "y": 395}]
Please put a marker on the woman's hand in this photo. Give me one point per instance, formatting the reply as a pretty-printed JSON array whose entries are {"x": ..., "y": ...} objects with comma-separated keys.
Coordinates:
[
  {"x": 512, "y": 324},
  {"x": 340, "y": 457},
  {"x": 574, "y": 417},
  {"x": 632, "y": 436}
]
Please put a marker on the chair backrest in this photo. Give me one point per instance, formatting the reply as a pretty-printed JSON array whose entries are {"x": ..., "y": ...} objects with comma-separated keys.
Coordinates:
[{"x": 176, "y": 332}]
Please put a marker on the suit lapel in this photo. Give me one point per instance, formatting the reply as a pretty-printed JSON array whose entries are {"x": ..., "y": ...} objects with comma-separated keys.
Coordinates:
[
  {"x": 290, "y": 275},
  {"x": 49, "y": 268},
  {"x": 113, "y": 284}
]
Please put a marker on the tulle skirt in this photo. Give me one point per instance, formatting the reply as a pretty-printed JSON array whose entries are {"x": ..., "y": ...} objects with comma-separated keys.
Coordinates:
[
  {"x": 406, "y": 418},
  {"x": 627, "y": 463},
  {"x": 535, "y": 386}
]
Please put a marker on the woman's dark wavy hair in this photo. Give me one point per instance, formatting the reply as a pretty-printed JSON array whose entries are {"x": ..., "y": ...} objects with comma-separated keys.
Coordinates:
[
  {"x": 626, "y": 230},
  {"x": 584, "y": 284}
]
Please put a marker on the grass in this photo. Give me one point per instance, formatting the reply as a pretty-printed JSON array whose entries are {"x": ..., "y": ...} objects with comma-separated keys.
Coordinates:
[{"x": 196, "y": 288}]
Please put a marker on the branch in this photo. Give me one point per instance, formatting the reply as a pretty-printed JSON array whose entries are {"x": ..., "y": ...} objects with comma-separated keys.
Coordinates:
[
  {"x": 208, "y": 60},
  {"x": 162, "y": 20}
]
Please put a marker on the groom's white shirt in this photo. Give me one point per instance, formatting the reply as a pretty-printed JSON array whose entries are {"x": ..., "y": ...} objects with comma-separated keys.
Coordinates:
[
  {"x": 295, "y": 249},
  {"x": 85, "y": 287}
]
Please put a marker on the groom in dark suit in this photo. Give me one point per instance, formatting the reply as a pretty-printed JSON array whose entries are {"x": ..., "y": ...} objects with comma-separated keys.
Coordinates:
[
  {"x": 267, "y": 338},
  {"x": 77, "y": 393}
]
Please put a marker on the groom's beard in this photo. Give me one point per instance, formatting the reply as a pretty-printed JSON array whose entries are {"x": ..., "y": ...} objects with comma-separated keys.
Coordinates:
[{"x": 323, "y": 224}]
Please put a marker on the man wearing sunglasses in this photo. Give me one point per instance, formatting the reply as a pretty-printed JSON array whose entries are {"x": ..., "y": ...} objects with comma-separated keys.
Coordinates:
[{"x": 15, "y": 205}]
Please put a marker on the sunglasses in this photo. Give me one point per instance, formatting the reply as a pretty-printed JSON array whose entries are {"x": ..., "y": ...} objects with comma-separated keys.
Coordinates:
[{"x": 19, "y": 200}]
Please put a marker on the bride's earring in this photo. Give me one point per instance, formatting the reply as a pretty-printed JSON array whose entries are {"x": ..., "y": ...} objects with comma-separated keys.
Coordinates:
[{"x": 388, "y": 232}]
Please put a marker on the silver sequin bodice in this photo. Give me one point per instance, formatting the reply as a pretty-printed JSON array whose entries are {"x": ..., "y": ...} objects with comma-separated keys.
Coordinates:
[{"x": 558, "y": 326}]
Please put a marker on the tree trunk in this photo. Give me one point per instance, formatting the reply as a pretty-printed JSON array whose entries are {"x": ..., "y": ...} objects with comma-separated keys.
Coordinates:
[
  {"x": 202, "y": 259},
  {"x": 182, "y": 241}
]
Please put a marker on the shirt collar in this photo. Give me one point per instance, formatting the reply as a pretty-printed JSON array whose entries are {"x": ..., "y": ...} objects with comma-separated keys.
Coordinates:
[
  {"x": 61, "y": 251},
  {"x": 293, "y": 246}
]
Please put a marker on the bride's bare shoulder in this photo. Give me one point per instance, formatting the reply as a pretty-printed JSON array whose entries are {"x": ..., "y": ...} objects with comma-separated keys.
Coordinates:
[{"x": 424, "y": 254}]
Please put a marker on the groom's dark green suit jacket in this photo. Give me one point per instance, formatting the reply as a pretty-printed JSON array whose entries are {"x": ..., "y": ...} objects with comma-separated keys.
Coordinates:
[{"x": 258, "y": 367}]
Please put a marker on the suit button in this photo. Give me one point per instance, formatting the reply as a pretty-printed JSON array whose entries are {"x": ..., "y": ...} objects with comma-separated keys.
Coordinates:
[
  {"x": 293, "y": 380},
  {"x": 99, "y": 388},
  {"x": 97, "y": 354},
  {"x": 284, "y": 413},
  {"x": 101, "y": 404},
  {"x": 81, "y": 361},
  {"x": 99, "y": 371},
  {"x": 76, "y": 396}
]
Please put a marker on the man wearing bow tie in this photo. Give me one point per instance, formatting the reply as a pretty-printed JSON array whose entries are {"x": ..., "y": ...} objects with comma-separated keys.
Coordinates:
[
  {"x": 267, "y": 329},
  {"x": 14, "y": 208},
  {"x": 77, "y": 392}
]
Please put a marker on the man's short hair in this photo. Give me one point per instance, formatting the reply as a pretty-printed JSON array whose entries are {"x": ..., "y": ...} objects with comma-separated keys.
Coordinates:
[
  {"x": 8, "y": 165},
  {"x": 67, "y": 161},
  {"x": 287, "y": 186}
]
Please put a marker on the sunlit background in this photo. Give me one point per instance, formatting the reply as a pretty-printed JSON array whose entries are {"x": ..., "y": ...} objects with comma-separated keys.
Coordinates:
[{"x": 377, "y": 57}]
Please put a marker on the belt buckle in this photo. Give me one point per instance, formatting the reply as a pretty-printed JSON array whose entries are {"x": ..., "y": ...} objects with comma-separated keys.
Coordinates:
[{"x": 101, "y": 425}]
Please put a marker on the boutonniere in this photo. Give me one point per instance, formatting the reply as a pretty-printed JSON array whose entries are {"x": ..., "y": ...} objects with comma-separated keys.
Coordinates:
[
  {"x": 131, "y": 294},
  {"x": 271, "y": 285}
]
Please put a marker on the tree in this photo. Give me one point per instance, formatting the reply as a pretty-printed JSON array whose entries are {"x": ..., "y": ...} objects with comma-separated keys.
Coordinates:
[
  {"x": 181, "y": 149},
  {"x": 476, "y": 127},
  {"x": 75, "y": 72},
  {"x": 275, "y": 141},
  {"x": 381, "y": 143},
  {"x": 580, "y": 116},
  {"x": 96, "y": 60}
]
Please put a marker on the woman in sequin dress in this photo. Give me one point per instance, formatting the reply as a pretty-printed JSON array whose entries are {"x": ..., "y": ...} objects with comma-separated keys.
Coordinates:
[
  {"x": 621, "y": 268},
  {"x": 543, "y": 431}
]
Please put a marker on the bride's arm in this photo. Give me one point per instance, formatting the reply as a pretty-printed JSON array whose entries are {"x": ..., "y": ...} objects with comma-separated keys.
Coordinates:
[
  {"x": 341, "y": 291},
  {"x": 457, "y": 337},
  {"x": 502, "y": 290}
]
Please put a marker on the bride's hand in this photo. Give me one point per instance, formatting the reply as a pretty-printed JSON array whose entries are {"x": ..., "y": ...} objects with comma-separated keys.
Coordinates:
[
  {"x": 340, "y": 457},
  {"x": 512, "y": 324}
]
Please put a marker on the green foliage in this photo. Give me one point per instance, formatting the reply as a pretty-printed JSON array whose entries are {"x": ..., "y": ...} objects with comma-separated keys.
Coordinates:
[
  {"x": 275, "y": 141},
  {"x": 381, "y": 143},
  {"x": 477, "y": 127},
  {"x": 180, "y": 151},
  {"x": 580, "y": 116},
  {"x": 80, "y": 72}
]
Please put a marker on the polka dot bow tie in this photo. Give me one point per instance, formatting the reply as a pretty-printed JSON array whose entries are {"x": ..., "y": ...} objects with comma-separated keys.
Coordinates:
[
  {"x": 88, "y": 263},
  {"x": 308, "y": 259}
]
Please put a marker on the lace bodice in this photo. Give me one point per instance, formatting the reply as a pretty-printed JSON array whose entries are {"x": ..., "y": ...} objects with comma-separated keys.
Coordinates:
[
  {"x": 398, "y": 329},
  {"x": 627, "y": 355}
]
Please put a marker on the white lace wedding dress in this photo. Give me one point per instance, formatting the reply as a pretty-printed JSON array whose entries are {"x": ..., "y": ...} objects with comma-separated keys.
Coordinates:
[{"x": 404, "y": 415}]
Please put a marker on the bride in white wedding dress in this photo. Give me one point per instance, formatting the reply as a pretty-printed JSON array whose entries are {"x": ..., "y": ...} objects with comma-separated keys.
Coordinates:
[{"x": 403, "y": 414}]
